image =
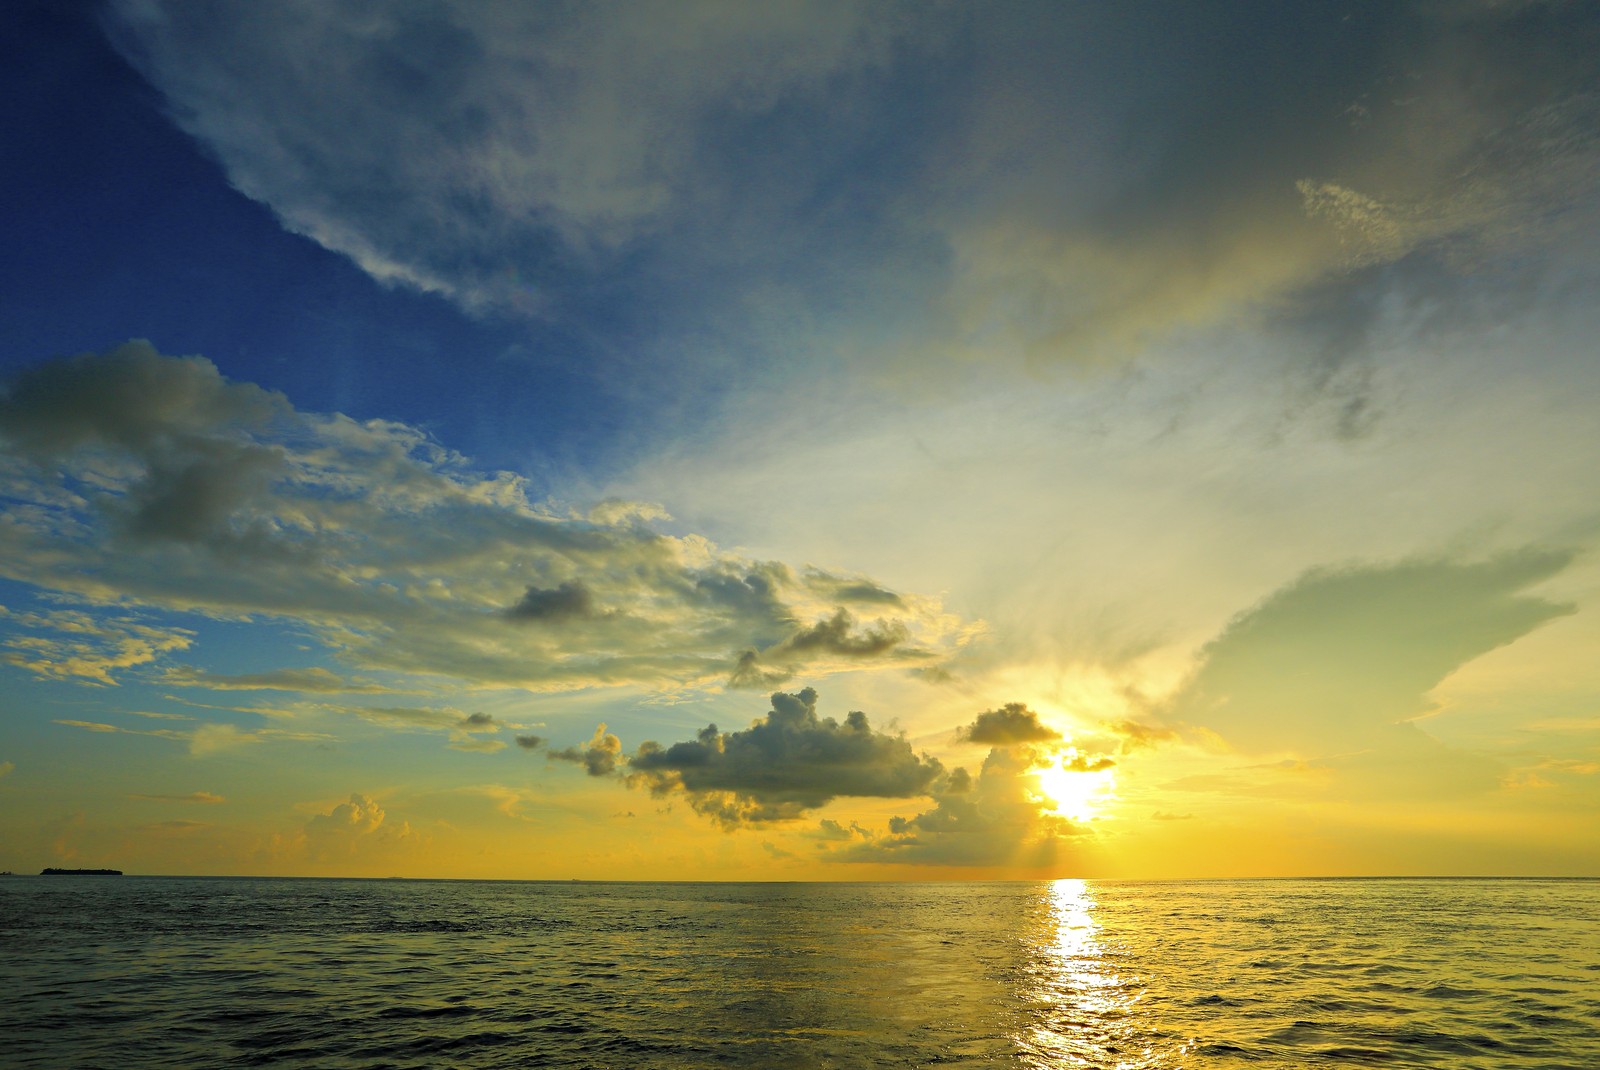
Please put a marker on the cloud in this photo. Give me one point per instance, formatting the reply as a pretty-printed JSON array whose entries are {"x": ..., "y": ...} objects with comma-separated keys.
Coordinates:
[
  {"x": 598, "y": 758},
  {"x": 474, "y": 150},
  {"x": 1033, "y": 183},
  {"x": 203, "y": 740},
  {"x": 349, "y": 827},
  {"x": 531, "y": 742},
  {"x": 214, "y": 738},
  {"x": 1134, "y": 735},
  {"x": 835, "y": 637},
  {"x": 79, "y": 645},
  {"x": 205, "y": 797},
  {"x": 993, "y": 820},
  {"x": 512, "y": 802},
  {"x": 1127, "y": 198},
  {"x": 565, "y": 602},
  {"x": 384, "y": 545},
  {"x": 7, "y": 768},
  {"x": 311, "y": 680},
  {"x": 1011, "y": 723},
  {"x": 1338, "y": 656},
  {"x": 463, "y": 729},
  {"x": 784, "y": 764}
]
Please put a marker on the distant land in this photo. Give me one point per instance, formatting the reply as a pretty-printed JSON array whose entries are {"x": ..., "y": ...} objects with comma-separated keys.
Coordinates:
[{"x": 80, "y": 873}]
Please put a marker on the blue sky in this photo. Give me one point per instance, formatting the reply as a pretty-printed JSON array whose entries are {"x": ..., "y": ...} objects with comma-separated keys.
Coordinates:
[{"x": 393, "y": 396}]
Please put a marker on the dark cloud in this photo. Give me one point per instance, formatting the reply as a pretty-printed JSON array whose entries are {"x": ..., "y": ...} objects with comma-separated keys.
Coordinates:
[
  {"x": 853, "y": 589},
  {"x": 531, "y": 742},
  {"x": 830, "y": 831},
  {"x": 131, "y": 397},
  {"x": 1012, "y": 723},
  {"x": 599, "y": 757},
  {"x": 833, "y": 637},
  {"x": 749, "y": 675},
  {"x": 565, "y": 602},
  {"x": 996, "y": 820},
  {"x": 1338, "y": 655},
  {"x": 787, "y": 763}
]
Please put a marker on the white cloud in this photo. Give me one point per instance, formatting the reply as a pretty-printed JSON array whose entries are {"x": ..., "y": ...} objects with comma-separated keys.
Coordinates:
[{"x": 220, "y": 498}]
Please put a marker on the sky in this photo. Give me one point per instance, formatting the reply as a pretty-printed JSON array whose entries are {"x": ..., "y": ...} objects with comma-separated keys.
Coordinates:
[{"x": 814, "y": 440}]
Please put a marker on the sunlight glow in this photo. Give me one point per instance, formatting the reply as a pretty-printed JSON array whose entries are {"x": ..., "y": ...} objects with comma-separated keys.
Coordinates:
[{"x": 1073, "y": 793}]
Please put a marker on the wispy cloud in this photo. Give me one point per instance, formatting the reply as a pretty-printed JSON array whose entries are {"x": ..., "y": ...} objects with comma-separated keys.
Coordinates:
[
  {"x": 312, "y": 680},
  {"x": 1081, "y": 179},
  {"x": 204, "y": 739},
  {"x": 71, "y": 644}
]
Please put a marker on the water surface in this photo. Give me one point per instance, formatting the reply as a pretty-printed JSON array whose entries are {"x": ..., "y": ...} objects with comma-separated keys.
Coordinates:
[{"x": 208, "y": 972}]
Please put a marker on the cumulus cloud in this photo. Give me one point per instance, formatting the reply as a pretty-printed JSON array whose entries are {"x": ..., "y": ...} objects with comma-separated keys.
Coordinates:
[
  {"x": 381, "y": 543},
  {"x": 1012, "y": 723},
  {"x": 995, "y": 819},
  {"x": 784, "y": 764},
  {"x": 599, "y": 757},
  {"x": 349, "y": 827},
  {"x": 531, "y": 742},
  {"x": 1339, "y": 656}
]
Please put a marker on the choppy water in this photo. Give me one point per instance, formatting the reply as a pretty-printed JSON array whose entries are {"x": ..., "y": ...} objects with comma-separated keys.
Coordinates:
[{"x": 172, "y": 972}]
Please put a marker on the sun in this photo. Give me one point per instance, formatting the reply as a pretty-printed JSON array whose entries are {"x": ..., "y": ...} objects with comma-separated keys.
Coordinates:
[{"x": 1073, "y": 793}]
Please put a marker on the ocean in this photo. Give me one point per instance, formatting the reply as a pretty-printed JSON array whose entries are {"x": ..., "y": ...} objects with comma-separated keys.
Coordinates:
[{"x": 222, "y": 972}]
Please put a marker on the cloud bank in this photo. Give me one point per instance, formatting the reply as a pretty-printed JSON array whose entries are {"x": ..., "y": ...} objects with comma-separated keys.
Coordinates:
[
  {"x": 1037, "y": 182},
  {"x": 144, "y": 480}
]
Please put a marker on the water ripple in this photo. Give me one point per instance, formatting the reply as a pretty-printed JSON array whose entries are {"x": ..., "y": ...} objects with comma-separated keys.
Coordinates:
[{"x": 150, "y": 972}]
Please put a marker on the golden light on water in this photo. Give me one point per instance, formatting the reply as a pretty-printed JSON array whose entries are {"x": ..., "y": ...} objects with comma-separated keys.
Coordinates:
[
  {"x": 1088, "y": 1004},
  {"x": 1085, "y": 1000},
  {"x": 1074, "y": 793}
]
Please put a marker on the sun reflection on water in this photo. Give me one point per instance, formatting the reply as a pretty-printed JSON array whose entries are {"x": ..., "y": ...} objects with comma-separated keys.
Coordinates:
[{"x": 1087, "y": 1008}]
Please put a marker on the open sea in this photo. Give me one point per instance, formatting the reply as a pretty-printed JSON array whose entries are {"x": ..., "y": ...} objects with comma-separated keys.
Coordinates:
[{"x": 221, "y": 972}]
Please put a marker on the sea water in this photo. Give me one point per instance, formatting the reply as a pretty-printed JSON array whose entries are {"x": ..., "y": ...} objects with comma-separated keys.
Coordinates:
[{"x": 218, "y": 972}]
